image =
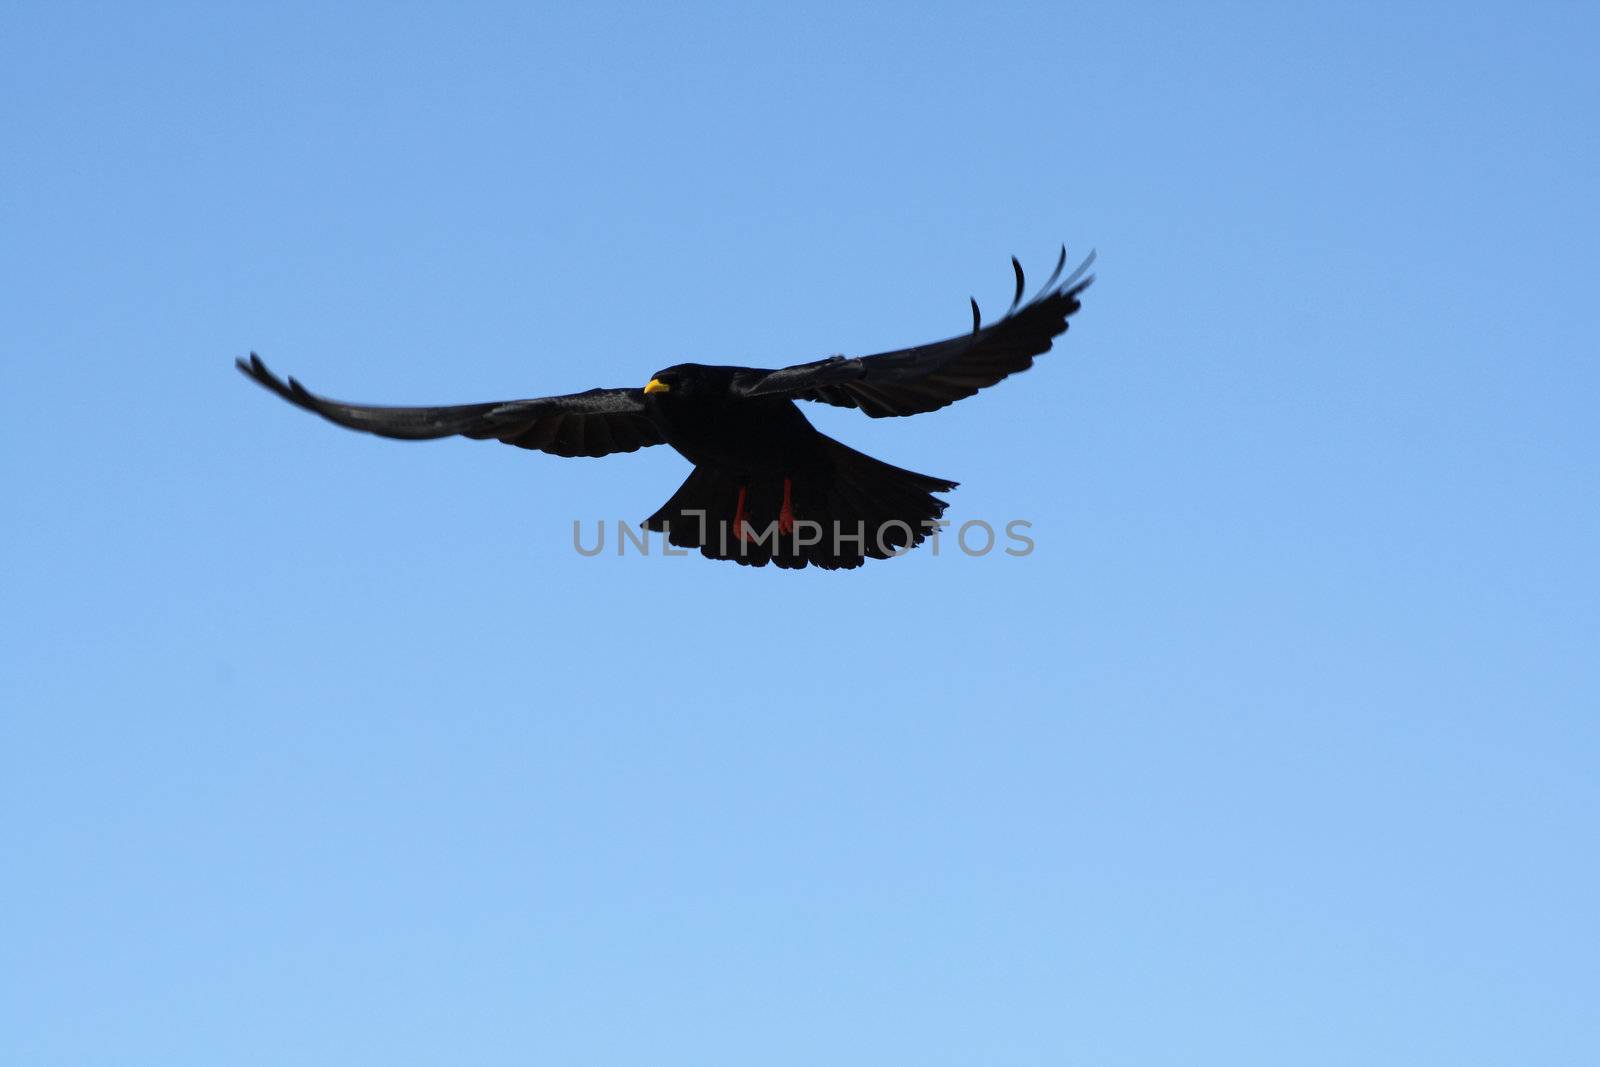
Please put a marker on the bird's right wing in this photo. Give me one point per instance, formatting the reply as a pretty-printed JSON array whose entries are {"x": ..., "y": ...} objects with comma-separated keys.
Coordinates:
[
  {"x": 595, "y": 423},
  {"x": 909, "y": 381}
]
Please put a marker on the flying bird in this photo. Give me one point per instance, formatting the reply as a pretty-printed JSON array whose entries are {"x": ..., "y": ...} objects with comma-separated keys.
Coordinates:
[{"x": 767, "y": 487}]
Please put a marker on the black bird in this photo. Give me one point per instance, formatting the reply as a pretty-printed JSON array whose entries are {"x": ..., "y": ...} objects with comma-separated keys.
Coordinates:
[{"x": 766, "y": 486}]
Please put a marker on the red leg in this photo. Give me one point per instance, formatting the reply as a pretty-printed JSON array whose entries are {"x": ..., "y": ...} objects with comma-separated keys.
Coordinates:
[
  {"x": 738, "y": 518},
  {"x": 786, "y": 514}
]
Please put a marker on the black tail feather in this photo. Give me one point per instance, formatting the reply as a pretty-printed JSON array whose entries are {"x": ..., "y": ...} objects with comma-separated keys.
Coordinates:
[{"x": 847, "y": 510}]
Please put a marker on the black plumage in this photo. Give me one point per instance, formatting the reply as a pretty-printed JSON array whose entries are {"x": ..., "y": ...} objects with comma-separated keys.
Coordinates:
[{"x": 767, "y": 487}]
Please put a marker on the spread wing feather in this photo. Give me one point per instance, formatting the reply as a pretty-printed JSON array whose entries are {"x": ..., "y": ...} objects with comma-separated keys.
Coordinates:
[
  {"x": 599, "y": 422},
  {"x": 910, "y": 381}
]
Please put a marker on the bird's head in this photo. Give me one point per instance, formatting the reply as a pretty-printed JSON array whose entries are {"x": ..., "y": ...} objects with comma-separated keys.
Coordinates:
[{"x": 686, "y": 381}]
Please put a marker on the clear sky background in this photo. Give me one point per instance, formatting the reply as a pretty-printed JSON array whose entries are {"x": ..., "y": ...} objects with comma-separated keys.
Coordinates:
[{"x": 323, "y": 749}]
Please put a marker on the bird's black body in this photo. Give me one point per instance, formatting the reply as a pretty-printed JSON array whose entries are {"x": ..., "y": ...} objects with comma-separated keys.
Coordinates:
[
  {"x": 767, "y": 487},
  {"x": 752, "y": 454},
  {"x": 700, "y": 416}
]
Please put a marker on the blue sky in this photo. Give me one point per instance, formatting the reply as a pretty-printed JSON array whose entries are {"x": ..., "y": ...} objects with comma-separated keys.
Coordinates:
[{"x": 322, "y": 749}]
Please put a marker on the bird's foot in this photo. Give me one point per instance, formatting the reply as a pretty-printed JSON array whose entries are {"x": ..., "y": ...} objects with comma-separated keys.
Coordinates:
[
  {"x": 786, "y": 513},
  {"x": 738, "y": 518}
]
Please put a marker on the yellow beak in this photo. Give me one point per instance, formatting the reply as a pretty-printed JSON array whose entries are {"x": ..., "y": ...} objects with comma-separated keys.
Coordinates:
[{"x": 657, "y": 386}]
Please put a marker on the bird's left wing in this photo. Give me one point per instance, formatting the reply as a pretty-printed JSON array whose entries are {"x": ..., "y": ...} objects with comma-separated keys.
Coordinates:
[
  {"x": 595, "y": 423},
  {"x": 909, "y": 381}
]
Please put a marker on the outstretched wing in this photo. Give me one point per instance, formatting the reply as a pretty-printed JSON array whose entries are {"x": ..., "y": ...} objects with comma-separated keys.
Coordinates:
[
  {"x": 913, "y": 380},
  {"x": 596, "y": 423}
]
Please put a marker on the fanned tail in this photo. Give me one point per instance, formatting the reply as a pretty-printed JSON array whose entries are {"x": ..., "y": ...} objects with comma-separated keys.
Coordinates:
[{"x": 844, "y": 511}]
